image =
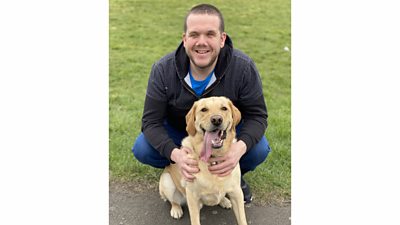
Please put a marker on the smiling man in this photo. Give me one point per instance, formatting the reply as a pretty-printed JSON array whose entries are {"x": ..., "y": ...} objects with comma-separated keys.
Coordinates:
[
  {"x": 205, "y": 64},
  {"x": 203, "y": 42}
]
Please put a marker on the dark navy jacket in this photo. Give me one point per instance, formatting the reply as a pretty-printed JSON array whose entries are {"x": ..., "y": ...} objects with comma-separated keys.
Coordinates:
[{"x": 170, "y": 98}]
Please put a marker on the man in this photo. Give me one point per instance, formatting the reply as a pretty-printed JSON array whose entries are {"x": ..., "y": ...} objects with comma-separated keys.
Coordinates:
[{"x": 205, "y": 64}]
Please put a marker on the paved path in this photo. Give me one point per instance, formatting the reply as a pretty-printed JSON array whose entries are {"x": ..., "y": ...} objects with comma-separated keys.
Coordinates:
[{"x": 135, "y": 206}]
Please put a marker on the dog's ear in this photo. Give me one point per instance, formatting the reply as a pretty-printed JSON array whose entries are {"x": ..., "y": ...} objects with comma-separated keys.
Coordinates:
[
  {"x": 190, "y": 118},
  {"x": 237, "y": 116}
]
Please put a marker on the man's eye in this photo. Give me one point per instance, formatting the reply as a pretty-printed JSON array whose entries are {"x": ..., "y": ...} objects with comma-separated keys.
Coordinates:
[
  {"x": 204, "y": 110},
  {"x": 223, "y": 108},
  {"x": 211, "y": 34}
]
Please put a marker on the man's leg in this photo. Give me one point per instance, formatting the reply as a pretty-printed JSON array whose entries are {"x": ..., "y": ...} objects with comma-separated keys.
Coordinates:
[
  {"x": 255, "y": 156},
  {"x": 249, "y": 161},
  {"x": 146, "y": 154}
]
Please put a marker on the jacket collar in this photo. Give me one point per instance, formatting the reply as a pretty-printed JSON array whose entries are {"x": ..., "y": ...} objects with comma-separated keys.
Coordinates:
[{"x": 182, "y": 60}]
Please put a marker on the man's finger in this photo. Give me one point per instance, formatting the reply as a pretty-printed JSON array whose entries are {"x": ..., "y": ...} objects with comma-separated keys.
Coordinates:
[
  {"x": 216, "y": 165},
  {"x": 225, "y": 174},
  {"x": 221, "y": 168},
  {"x": 187, "y": 150},
  {"x": 216, "y": 159},
  {"x": 191, "y": 169},
  {"x": 224, "y": 171},
  {"x": 188, "y": 176},
  {"x": 191, "y": 162}
]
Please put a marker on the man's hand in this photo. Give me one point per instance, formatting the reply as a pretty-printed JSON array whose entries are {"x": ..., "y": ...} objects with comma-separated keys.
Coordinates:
[
  {"x": 223, "y": 166},
  {"x": 187, "y": 165}
]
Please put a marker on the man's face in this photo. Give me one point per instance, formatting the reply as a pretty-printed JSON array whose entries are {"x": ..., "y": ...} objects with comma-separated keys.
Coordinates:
[{"x": 203, "y": 40}]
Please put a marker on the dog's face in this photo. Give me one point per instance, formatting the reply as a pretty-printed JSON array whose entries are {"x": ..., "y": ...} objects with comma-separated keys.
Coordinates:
[{"x": 214, "y": 116}]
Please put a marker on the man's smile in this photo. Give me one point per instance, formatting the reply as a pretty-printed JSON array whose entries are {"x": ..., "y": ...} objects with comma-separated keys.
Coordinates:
[{"x": 202, "y": 51}]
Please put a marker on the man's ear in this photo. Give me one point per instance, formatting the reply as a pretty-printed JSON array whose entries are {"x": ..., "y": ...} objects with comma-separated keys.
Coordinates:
[
  {"x": 190, "y": 119},
  {"x": 184, "y": 39},
  {"x": 223, "y": 38},
  {"x": 237, "y": 116}
]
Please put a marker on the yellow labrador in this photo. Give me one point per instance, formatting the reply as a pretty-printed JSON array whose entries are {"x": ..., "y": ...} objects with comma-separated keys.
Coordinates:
[{"x": 211, "y": 126}]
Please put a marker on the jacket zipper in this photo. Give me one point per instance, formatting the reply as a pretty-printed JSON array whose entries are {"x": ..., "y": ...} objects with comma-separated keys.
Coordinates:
[
  {"x": 217, "y": 81},
  {"x": 186, "y": 86},
  {"x": 212, "y": 87}
]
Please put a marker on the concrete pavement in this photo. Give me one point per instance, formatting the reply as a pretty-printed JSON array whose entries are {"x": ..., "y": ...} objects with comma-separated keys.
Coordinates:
[{"x": 134, "y": 205}]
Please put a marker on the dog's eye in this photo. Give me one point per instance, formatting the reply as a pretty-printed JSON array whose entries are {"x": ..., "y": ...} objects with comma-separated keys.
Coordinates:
[
  {"x": 223, "y": 108},
  {"x": 204, "y": 110}
]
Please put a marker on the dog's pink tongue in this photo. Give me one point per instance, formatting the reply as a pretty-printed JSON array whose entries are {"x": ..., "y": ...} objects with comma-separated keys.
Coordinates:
[{"x": 207, "y": 149}]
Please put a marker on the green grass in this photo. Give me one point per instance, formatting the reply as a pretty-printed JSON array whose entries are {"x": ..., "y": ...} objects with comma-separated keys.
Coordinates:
[{"x": 141, "y": 32}]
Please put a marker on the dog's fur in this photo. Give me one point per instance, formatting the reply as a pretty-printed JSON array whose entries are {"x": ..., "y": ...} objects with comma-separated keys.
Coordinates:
[{"x": 215, "y": 115}]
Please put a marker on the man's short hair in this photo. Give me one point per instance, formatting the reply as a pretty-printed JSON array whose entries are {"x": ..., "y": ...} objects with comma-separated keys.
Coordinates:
[{"x": 206, "y": 9}]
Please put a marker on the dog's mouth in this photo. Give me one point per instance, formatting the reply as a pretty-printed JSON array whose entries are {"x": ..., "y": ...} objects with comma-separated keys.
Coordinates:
[
  {"x": 217, "y": 138},
  {"x": 212, "y": 140}
]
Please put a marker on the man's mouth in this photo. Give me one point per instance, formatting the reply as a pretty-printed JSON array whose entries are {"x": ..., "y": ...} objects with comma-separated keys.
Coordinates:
[{"x": 202, "y": 51}]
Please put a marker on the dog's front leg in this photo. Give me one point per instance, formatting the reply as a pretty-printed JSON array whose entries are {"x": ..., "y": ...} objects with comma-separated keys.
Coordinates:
[
  {"x": 194, "y": 206},
  {"x": 238, "y": 205}
]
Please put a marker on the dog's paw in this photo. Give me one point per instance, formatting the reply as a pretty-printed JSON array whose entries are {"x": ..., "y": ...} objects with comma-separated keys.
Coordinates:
[
  {"x": 163, "y": 197},
  {"x": 176, "y": 211},
  {"x": 225, "y": 203}
]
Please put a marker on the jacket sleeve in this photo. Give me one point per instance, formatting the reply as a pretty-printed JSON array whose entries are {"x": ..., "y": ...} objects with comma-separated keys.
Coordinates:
[
  {"x": 154, "y": 114},
  {"x": 251, "y": 104}
]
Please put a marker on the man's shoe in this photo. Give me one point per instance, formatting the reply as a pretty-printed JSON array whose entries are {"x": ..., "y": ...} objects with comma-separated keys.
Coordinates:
[{"x": 248, "y": 197}]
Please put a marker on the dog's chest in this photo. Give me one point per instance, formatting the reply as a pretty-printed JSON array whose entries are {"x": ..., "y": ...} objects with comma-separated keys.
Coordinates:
[
  {"x": 210, "y": 193},
  {"x": 211, "y": 189},
  {"x": 212, "y": 199}
]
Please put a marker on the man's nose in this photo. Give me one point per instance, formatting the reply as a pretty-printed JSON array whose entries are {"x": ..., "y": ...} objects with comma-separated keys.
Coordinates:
[{"x": 202, "y": 40}]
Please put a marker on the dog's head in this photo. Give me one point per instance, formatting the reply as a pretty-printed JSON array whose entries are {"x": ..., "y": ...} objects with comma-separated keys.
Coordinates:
[{"x": 213, "y": 118}]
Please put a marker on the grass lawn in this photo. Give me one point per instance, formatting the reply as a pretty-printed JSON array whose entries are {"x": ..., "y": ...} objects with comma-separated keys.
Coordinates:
[{"x": 141, "y": 32}]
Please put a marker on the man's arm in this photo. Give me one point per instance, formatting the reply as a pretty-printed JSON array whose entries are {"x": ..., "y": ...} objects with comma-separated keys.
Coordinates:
[
  {"x": 252, "y": 106},
  {"x": 154, "y": 114}
]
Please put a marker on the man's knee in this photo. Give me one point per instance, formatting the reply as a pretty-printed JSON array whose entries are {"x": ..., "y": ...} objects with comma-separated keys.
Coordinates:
[
  {"x": 264, "y": 149},
  {"x": 140, "y": 148},
  {"x": 255, "y": 156},
  {"x": 146, "y": 154}
]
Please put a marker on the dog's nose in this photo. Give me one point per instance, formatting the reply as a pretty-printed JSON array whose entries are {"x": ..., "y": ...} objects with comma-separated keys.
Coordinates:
[{"x": 216, "y": 120}]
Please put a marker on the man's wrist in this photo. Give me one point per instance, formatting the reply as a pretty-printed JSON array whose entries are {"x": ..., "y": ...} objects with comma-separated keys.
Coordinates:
[
  {"x": 174, "y": 154},
  {"x": 243, "y": 146}
]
